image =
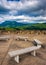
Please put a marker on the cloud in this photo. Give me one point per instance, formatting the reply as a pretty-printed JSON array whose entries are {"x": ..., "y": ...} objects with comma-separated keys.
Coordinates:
[
  {"x": 33, "y": 8},
  {"x": 27, "y": 10},
  {"x": 4, "y": 10},
  {"x": 28, "y": 7},
  {"x": 23, "y": 7},
  {"x": 1, "y": 19},
  {"x": 24, "y": 19}
]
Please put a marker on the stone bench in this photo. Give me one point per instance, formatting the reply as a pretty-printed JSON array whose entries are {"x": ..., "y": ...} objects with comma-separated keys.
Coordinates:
[
  {"x": 37, "y": 42},
  {"x": 23, "y": 51},
  {"x": 21, "y": 38},
  {"x": 4, "y": 38}
]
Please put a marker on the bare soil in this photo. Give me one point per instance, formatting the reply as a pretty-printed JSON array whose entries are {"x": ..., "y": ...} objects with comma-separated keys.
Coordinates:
[{"x": 25, "y": 59}]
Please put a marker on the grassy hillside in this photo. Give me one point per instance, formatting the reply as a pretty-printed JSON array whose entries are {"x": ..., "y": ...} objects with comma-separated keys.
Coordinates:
[{"x": 38, "y": 26}]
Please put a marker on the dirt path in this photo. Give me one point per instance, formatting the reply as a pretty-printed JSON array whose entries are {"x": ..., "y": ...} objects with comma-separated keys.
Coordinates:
[{"x": 5, "y": 48}]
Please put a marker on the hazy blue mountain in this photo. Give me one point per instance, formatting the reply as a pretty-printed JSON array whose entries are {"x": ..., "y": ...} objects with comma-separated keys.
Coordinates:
[{"x": 12, "y": 24}]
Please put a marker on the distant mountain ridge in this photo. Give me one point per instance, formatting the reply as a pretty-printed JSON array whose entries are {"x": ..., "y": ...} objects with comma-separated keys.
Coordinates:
[{"x": 12, "y": 24}]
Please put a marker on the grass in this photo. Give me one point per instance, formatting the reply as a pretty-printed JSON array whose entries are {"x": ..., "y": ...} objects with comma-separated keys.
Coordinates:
[{"x": 38, "y": 26}]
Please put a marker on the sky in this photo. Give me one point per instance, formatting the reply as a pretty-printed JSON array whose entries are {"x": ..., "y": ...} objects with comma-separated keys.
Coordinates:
[{"x": 29, "y": 11}]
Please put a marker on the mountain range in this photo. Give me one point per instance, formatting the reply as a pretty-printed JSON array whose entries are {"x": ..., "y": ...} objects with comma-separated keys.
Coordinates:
[{"x": 12, "y": 24}]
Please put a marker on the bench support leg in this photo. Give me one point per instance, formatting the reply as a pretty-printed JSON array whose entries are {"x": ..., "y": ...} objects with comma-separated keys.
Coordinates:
[
  {"x": 17, "y": 59},
  {"x": 25, "y": 39},
  {"x": 34, "y": 53}
]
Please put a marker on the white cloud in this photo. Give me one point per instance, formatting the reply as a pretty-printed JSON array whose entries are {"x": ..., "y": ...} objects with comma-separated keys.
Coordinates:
[
  {"x": 1, "y": 20},
  {"x": 25, "y": 10},
  {"x": 24, "y": 19},
  {"x": 21, "y": 5}
]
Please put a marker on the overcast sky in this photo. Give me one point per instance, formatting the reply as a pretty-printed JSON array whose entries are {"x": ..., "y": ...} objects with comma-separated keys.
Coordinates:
[{"x": 31, "y": 11}]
